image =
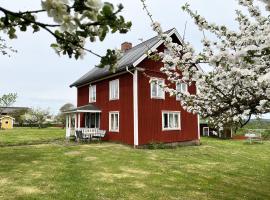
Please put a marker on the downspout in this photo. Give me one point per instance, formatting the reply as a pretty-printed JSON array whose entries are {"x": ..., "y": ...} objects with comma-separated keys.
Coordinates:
[{"x": 135, "y": 106}]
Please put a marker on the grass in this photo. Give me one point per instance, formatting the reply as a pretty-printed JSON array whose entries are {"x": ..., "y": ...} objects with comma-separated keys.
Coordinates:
[
  {"x": 218, "y": 169},
  {"x": 26, "y": 136}
]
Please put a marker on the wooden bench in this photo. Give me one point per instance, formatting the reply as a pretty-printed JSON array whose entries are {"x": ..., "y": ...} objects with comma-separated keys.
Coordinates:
[{"x": 254, "y": 137}]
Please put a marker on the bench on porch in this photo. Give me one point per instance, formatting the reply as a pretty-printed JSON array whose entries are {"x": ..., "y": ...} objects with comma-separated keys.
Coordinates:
[
  {"x": 251, "y": 137},
  {"x": 89, "y": 134}
]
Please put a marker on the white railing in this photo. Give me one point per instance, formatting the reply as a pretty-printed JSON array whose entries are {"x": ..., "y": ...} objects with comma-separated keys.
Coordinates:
[{"x": 92, "y": 132}]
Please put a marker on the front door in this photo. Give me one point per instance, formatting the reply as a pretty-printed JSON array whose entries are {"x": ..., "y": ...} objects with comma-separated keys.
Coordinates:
[{"x": 92, "y": 120}]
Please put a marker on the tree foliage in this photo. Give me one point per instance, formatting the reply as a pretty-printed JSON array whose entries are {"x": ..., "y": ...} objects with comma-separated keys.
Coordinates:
[
  {"x": 74, "y": 23},
  {"x": 7, "y": 100},
  {"x": 239, "y": 84},
  {"x": 61, "y": 117}
]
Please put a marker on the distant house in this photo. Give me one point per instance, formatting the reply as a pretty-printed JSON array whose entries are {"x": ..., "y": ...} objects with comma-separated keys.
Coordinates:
[
  {"x": 128, "y": 107},
  {"x": 10, "y": 110},
  {"x": 207, "y": 130},
  {"x": 6, "y": 122}
]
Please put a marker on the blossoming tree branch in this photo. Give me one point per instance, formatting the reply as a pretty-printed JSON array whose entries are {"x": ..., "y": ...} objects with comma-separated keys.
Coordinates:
[
  {"x": 239, "y": 84},
  {"x": 74, "y": 23}
]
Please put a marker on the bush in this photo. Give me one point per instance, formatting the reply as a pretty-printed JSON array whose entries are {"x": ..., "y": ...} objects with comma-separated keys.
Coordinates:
[
  {"x": 266, "y": 134},
  {"x": 46, "y": 125}
]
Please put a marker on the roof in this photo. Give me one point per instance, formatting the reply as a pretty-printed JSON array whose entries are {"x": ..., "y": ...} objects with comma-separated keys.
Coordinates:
[
  {"x": 87, "y": 108},
  {"x": 7, "y": 110},
  {"x": 6, "y": 116},
  {"x": 129, "y": 59}
]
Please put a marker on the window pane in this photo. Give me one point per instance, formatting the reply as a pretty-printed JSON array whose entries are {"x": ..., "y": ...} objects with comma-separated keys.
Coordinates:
[
  {"x": 171, "y": 120},
  {"x": 97, "y": 120},
  {"x": 116, "y": 121},
  {"x": 112, "y": 121},
  {"x": 176, "y": 120},
  {"x": 165, "y": 118},
  {"x": 92, "y": 120},
  {"x": 154, "y": 89},
  {"x": 184, "y": 87},
  {"x": 160, "y": 89},
  {"x": 116, "y": 89},
  {"x": 94, "y": 93}
]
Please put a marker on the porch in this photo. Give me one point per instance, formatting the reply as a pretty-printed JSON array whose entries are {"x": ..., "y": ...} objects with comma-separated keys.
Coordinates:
[{"x": 84, "y": 123}]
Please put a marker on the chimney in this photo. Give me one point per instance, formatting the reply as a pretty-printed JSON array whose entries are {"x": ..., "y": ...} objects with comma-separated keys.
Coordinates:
[{"x": 126, "y": 46}]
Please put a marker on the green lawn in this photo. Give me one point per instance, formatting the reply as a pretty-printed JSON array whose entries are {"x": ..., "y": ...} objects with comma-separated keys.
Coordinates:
[
  {"x": 218, "y": 169},
  {"x": 20, "y": 136}
]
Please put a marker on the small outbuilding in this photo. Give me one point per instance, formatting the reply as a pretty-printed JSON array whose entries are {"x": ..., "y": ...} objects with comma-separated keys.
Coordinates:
[{"x": 6, "y": 122}]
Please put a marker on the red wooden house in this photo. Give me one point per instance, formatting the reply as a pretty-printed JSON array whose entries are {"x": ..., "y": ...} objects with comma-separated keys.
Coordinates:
[{"x": 128, "y": 107}]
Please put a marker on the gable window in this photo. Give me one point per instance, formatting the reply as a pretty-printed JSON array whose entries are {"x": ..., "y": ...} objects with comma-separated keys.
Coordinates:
[
  {"x": 157, "y": 91},
  {"x": 171, "y": 120},
  {"x": 114, "y": 121},
  {"x": 181, "y": 87},
  {"x": 92, "y": 93},
  {"x": 114, "y": 89},
  {"x": 171, "y": 66}
]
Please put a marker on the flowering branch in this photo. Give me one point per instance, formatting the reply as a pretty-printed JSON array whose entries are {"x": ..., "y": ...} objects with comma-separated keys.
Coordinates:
[
  {"x": 73, "y": 25},
  {"x": 239, "y": 84}
]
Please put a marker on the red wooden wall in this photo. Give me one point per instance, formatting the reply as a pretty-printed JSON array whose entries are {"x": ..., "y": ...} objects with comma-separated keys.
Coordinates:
[
  {"x": 124, "y": 105},
  {"x": 150, "y": 110}
]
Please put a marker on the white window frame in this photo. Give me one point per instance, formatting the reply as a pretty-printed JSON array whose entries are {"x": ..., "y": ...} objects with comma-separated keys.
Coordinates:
[
  {"x": 172, "y": 113},
  {"x": 116, "y": 113},
  {"x": 92, "y": 93},
  {"x": 181, "y": 87},
  {"x": 152, "y": 82},
  {"x": 112, "y": 89}
]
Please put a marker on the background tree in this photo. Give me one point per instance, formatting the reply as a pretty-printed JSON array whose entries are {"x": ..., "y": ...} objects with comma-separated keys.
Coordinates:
[
  {"x": 239, "y": 84},
  {"x": 74, "y": 23},
  {"x": 38, "y": 116},
  {"x": 7, "y": 100},
  {"x": 61, "y": 116},
  {"x": 19, "y": 116}
]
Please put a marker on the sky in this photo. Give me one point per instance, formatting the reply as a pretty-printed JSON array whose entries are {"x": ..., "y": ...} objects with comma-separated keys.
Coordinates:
[{"x": 41, "y": 78}]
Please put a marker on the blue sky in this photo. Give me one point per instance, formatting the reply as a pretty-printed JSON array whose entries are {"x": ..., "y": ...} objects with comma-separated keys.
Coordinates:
[{"x": 41, "y": 78}]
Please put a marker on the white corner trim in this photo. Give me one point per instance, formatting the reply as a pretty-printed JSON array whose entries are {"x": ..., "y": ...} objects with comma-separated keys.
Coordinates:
[
  {"x": 198, "y": 128},
  {"x": 135, "y": 108}
]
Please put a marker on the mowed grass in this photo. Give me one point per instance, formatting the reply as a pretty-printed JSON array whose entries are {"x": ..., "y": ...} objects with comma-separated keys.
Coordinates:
[
  {"x": 24, "y": 136},
  {"x": 218, "y": 169}
]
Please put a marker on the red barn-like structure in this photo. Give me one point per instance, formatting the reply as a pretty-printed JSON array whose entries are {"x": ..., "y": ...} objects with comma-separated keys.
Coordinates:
[{"x": 131, "y": 109}]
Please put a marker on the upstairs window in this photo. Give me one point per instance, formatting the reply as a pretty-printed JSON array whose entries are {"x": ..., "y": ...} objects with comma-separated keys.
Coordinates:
[
  {"x": 114, "y": 89},
  {"x": 114, "y": 121},
  {"x": 170, "y": 120},
  {"x": 181, "y": 87},
  {"x": 171, "y": 66},
  {"x": 92, "y": 93},
  {"x": 157, "y": 91}
]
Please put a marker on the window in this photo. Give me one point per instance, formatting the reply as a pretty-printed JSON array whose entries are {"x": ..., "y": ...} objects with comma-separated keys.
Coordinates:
[
  {"x": 170, "y": 120},
  {"x": 157, "y": 91},
  {"x": 114, "y": 89},
  {"x": 114, "y": 121},
  {"x": 92, "y": 120},
  {"x": 167, "y": 52},
  {"x": 92, "y": 93},
  {"x": 181, "y": 87}
]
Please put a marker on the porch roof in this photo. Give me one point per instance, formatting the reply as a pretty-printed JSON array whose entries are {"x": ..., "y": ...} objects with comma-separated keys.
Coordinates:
[{"x": 89, "y": 108}]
